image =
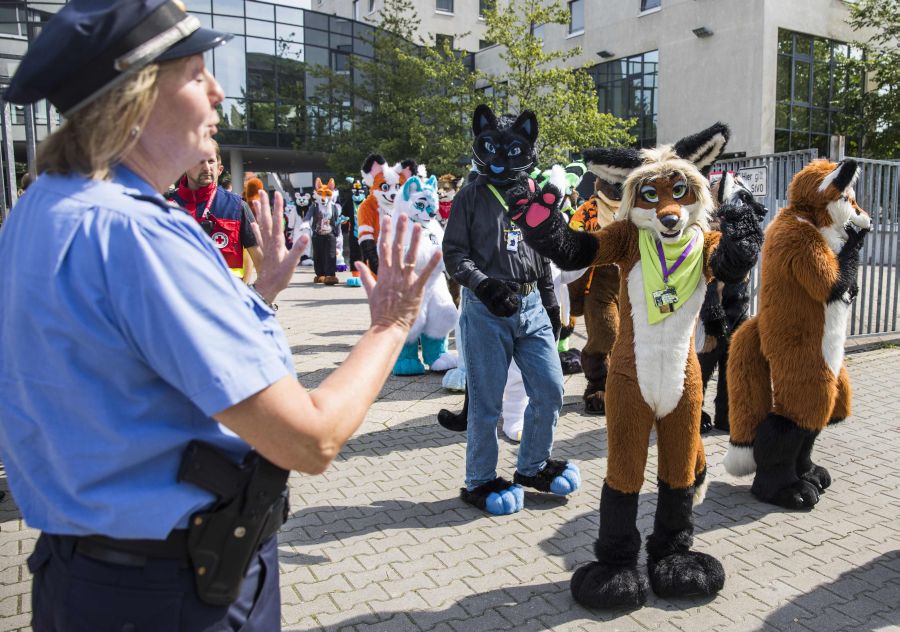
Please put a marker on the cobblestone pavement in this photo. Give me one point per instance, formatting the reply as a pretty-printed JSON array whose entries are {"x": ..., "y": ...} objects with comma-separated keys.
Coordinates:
[{"x": 382, "y": 542}]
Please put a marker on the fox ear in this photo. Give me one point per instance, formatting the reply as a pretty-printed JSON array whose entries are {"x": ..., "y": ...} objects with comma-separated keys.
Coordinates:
[
  {"x": 413, "y": 185},
  {"x": 843, "y": 177},
  {"x": 331, "y": 184},
  {"x": 613, "y": 164},
  {"x": 318, "y": 184},
  {"x": 704, "y": 147}
]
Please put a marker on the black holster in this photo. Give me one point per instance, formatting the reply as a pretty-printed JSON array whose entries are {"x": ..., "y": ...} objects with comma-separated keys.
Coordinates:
[{"x": 251, "y": 505}]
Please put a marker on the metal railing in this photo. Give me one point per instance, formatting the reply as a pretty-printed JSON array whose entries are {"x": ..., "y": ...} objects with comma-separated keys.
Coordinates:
[{"x": 878, "y": 192}]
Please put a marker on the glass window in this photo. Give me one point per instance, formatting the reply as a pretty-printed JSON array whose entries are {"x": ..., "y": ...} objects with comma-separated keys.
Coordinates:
[
  {"x": 783, "y": 79},
  {"x": 627, "y": 88},
  {"x": 229, "y": 25},
  {"x": 440, "y": 40},
  {"x": 230, "y": 67},
  {"x": 260, "y": 11},
  {"x": 286, "y": 15},
  {"x": 205, "y": 20},
  {"x": 258, "y": 28},
  {"x": 799, "y": 119},
  {"x": 9, "y": 21},
  {"x": 821, "y": 85},
  {"x": 785, "y": 42},
  {"x": 646, "y": 5},
  {"x": 229, "y": 7},
  {"x": 576, "y": 16},
  {"x": 484, "y": 44},
  {"x": 258, "y": 45},
  {"x": 819, "y": 122},
  {"x": 316, "y": 21},
  {"x": 371, "y": 5},
  {"x": 782, "y": 141},
  {"x": 231, "y": 111},
  {"x": 804, "y": 45},
  {"x": 444, "y": 5},
  {"x": 341, "y": 25},
  {"x": 290, "y": 51},
  {"x": 341, "y": 41},
  {"x": 197, "y": 5},
  {"x": 289, "y": 32},
  {"x": 484, "y": 6},
  {"x": 315, "y": 38},
  {"x": 801, "y": 82},
  {"x": 783, "y": 115}
]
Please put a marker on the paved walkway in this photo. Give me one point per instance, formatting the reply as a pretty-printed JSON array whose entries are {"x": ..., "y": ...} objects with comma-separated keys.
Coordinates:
[{"x": 382, "y": 542}]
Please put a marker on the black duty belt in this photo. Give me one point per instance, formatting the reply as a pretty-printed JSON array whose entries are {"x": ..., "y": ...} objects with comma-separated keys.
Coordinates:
[{"x": 134, "y": 552}]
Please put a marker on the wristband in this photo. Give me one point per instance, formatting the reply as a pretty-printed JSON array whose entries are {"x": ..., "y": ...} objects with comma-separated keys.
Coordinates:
[{"x": 272, "y": 306}]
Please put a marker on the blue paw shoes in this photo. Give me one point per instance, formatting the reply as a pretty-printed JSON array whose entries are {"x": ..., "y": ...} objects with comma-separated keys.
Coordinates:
[
  {"x": 558, "y": 477},
  {"x": 498, "y": 497}
]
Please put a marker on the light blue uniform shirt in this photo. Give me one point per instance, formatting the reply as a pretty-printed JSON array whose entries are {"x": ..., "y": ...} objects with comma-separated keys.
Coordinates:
[{"x": 122, "y": 332}]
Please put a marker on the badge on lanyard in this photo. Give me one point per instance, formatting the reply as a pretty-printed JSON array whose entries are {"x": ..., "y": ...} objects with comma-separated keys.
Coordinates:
[
  {"x": 513, "y": 236},
  {"x": 665, "y": 299}
]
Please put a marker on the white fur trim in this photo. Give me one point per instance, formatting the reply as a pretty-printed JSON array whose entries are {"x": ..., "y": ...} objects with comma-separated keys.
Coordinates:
[
  {"x": 661, "y": 349},
  {"x": 392, "y": 174},
  {"x": 739, "y": 460},
  {"x": 709, "y": 151},
  {"x": 835, "y": 334},
  {"x": 445, "y": 362},
  {"x": 834, "y": 174},
  {"x": 700, "y": 491},
  {"x": 421, "y": 172},
  {"x": 558, "y": 178},
  {"x": 609, "y": 173}
]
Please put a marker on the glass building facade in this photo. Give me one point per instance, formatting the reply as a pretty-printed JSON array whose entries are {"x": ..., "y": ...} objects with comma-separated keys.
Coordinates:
[
  {"x": 628, "y": 88},
  {"x": 813, "y": 84},
  {"x": 268, "y": 70}
]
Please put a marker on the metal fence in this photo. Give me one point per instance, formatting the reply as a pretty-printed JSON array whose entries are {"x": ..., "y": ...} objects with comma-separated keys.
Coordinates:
[{"x": 878, "y": 192}]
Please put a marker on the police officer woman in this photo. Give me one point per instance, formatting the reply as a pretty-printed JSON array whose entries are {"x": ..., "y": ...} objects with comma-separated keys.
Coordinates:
[{"x": 136, "y": 370}]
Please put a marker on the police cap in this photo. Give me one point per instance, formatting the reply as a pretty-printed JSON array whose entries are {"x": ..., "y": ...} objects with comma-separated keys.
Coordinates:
[{"x": 91, "y": 45}]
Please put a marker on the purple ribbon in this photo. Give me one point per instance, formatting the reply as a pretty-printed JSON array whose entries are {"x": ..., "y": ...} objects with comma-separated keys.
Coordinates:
[{"x": 662, "y": 258}]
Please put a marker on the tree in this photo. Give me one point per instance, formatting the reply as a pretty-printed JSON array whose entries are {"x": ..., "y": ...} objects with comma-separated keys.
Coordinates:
[
  {"x": 874, "y": 109},
  {"x": 412, "y": 100},
  {"x": 564, "y": 99}
]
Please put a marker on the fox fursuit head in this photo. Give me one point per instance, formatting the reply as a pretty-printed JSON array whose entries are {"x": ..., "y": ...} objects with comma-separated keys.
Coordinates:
[
  {"x": 786, "y": 375},
  {"x": 666, "y": 255}
]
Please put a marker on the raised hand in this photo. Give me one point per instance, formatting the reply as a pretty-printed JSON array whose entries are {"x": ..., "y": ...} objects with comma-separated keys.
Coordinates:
[
  {"x": 278, "y": 262},
  {"x": 395, "y": 298},
  {"x": 524, "y": 199},
  {"x": 855, "y": 238}
]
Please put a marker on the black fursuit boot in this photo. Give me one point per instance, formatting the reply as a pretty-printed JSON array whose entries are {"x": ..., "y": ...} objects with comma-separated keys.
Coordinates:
[
  {"x": 776, "y": 449},
  {"x": 613, "y": 581},
  {"x": 457, "y": 422},
  {"x": 675, "y": 570},
  {"x": 809, "y": 471}
]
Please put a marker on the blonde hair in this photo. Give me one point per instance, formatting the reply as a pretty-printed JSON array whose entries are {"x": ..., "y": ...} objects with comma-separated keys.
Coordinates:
[{"x": 96, "y": 137}]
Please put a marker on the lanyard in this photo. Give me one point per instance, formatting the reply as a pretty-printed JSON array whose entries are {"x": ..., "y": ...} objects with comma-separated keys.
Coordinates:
[
  {"x": 498, "y": 196},
  {"x": 662, "y": 259},
  {"x": 209, "y": 202}
]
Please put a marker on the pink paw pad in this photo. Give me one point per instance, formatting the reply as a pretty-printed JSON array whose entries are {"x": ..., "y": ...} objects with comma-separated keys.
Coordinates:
[
  {"x": 549, "y": 198},
  {"x": 522, "y": 202},
  {"x": 536, "y": 214},
  {"x": 531, "y": 185}
]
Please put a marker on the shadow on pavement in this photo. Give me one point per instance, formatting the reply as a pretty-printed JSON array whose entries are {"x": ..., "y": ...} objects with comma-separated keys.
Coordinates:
[
  {"x": 321, "y": 525},
  {"x": 883, "y": 572}
]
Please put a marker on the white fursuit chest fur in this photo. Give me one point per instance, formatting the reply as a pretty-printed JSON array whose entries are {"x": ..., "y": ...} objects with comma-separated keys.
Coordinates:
[
  {"x": 661, "y": 349},
  {"x": 837, "y": 313}
]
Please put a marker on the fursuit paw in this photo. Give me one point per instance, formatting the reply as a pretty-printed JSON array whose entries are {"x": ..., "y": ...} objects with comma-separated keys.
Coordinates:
[
  {"x": 353, "y": 282},
  {"x": 686, "y": 574},
  {"x": 598, "y": 585},
  {"x": 706, "y": 425},
  {"x": 818, "y": 476},
  {"x": 593, "y": 404},
  {"x": 799, "y": 494},
  {"x": 558, "y": 477},
  {"x": 498, "y": 497},
  {"x": 520, "y": 196}
]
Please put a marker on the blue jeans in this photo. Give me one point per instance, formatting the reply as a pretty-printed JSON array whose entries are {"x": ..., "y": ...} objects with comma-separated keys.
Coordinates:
[{"x": 490, "y": 342}]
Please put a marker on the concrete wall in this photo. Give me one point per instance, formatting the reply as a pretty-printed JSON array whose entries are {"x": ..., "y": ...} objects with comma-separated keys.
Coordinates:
[{"x": 728, "y": 77}]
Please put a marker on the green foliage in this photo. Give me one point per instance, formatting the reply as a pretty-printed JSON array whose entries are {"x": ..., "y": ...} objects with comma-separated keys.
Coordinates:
[
  {"x": 564, "y": 99},
  {"x": 412, "y": 101},
  {"x": 875, "y": 108}
]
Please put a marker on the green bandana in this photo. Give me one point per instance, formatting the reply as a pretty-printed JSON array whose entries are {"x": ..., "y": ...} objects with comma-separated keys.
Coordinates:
[{"x": 665, "y": 295}]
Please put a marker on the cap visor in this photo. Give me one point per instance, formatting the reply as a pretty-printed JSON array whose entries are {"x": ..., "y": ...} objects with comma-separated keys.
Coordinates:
[{"x": 197, "y": 42}]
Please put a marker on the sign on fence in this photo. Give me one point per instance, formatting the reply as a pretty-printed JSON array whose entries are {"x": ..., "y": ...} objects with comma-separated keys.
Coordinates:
[{"x": 756, "y": 179}]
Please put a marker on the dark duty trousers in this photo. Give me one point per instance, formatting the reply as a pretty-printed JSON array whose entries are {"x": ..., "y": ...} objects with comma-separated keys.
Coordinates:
[
  {"x": 324, "y": 254},
  {"x": 75, "y": 593}
]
